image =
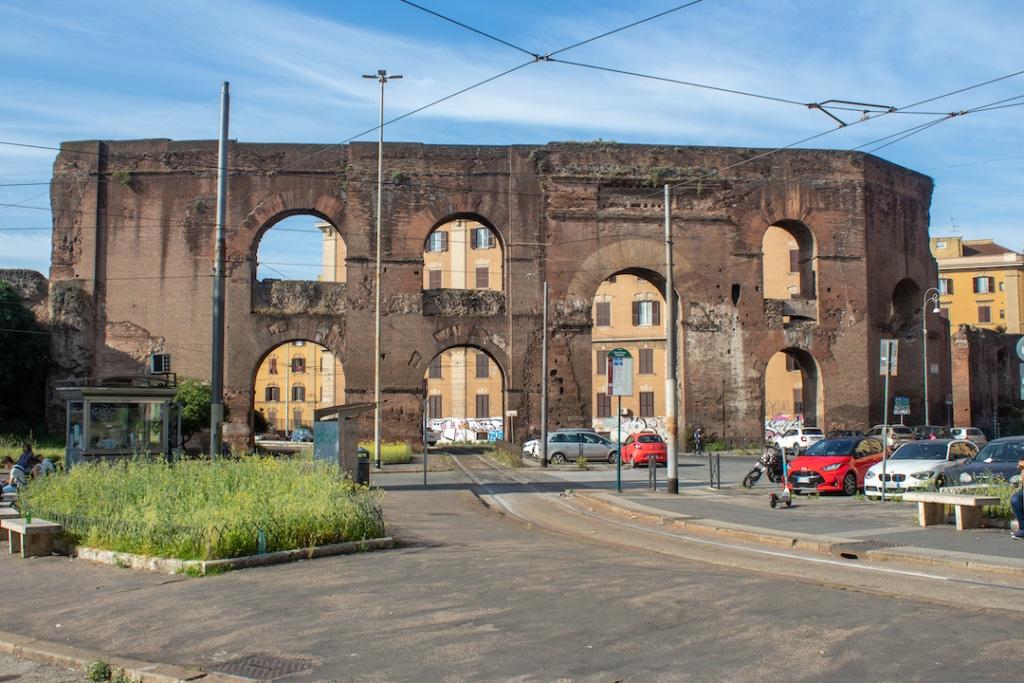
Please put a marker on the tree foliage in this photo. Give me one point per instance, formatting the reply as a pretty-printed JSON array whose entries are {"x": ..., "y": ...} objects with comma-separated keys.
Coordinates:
[
  {"x": 194, "y": 397},
  {"x": 24, "y": 363}
]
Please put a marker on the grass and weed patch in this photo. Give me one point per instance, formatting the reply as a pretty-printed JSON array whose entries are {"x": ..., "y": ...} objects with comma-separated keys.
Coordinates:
[
  {"x": 397, "y": 453},
  {"x": 203, "y": 510}
]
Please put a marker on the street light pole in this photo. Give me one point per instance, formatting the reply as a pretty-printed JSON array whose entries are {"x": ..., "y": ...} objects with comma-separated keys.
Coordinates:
[
  {"x": 382, "y": 77},
  {"x": 931, "y": 296}
]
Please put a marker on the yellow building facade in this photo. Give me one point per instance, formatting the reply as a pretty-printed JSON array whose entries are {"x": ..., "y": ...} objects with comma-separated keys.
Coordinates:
[
  {"x": 295, "y": 379},
  {"x": 464, "y": 383},
  {"x": 783, "y": 383},
  {"x": 462, "y": 254},
  {"x": 629, "y": 313},
  {"x": 981, "y": 283}
]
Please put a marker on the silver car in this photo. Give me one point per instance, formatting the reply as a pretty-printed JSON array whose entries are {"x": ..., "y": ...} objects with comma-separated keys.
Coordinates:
[{"x": 572, "y": 444}]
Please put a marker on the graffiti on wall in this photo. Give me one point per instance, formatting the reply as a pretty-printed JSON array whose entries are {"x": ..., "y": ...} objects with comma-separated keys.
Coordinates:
[
  {"x": 451, "y": 429},
  {"x": 780, "y": 424},
  {"x": 630, "y": 426}
]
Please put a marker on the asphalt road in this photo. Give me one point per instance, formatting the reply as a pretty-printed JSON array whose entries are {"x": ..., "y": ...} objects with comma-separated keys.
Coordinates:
[
  {"x": 475, "y": 595},
  {"x": 23, "y": 671}
]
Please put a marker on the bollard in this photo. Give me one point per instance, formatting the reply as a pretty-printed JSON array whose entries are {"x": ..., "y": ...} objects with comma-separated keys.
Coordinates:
[
  {"x": 652, "y": 472},
  {"x": 715, "y": 470}
]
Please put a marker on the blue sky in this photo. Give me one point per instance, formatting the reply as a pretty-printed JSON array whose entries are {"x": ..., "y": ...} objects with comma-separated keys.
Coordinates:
[{"x": 124, "y": 70}]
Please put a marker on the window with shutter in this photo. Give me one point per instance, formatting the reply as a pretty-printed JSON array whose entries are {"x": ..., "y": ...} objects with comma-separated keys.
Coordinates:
[
  {"x": 298, "y": 364},
  {"x": 483, "y": 277},
  {"x": 646, "y": 404},
  {"x": 794, "y": 260},
  {"x": 483, "y": 405},
  {"x": 435, "y": 367},
  {"x": 434, "y": 407},
  {"x": 272, "y": 420},
  {"x": 636, "y": 314},
  {"x": 945, "y": 286},
  {"x": 984, "y": 314},
  {"x": 273, "y": 366},
  {"x": 646, "y": 361},
  {"x": 600, "y": 362},
  {"x": 655, "y": 312},
  {"x": 434, "y": 276},
  {"x": 604, "y": 405},
  {"x": 603, "y": 314},
  {"x": 298, "y": 392},
  {"x": 272, "y": 394},
  {"x": 483, "y": 366}
]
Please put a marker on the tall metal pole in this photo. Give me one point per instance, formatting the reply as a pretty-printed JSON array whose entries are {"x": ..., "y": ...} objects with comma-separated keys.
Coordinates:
[
  {"x": 383, "y": 77},
  {"x": 544, "y": 382},
  {"x": 931, "y": 295},
  {"x": 217, "y": 351},
  {"x": 670, "y": 355}
]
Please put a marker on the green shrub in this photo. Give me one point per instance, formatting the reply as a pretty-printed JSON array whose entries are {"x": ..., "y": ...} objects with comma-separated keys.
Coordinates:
[
  {"x": 202, "y": 509},
  {"x": 97, "y": 671}
]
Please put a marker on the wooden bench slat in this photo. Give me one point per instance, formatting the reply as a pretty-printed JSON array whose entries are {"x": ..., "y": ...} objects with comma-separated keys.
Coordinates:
[{"x": 949, "y": 498}]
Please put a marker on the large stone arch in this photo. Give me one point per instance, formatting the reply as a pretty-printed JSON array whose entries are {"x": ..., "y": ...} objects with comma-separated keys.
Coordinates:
[
  {"x": 811, "y": 378},
  {"x": 483, "y": 207},
  {"x": 274, "y": 346}
]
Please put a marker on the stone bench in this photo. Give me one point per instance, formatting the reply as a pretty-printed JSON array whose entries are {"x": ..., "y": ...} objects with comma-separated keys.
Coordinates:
[
  {"x": 7, "y": 512},
  {"x": 33, "y": 539},
  {"x": 931, "y": 507}
]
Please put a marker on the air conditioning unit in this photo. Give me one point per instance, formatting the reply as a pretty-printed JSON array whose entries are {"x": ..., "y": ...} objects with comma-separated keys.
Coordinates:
[{"x": 159, "y": 363}]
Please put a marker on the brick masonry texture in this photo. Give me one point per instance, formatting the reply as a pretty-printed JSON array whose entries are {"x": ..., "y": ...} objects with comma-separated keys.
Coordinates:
[{"x": 133, "y": 247}]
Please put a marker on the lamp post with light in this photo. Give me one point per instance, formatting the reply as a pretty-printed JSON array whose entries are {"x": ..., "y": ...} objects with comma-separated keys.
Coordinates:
[
  {"x": 383, "y": 77},
  {"x": 931, "y": 296}
]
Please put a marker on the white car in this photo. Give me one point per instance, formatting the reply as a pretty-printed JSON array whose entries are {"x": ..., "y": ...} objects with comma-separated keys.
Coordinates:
[
  {"x": 918, "y": 465},
  {"x": 798, "y": 439},
  {"x": 971, "y": 434}
]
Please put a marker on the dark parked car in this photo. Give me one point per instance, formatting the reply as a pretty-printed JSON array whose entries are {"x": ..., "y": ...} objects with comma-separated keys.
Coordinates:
[{"x": 997, "y": 459}]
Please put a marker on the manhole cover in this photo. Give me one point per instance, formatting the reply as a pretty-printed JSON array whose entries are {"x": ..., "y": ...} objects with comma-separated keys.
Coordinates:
[{"x": 262, "y": 667}]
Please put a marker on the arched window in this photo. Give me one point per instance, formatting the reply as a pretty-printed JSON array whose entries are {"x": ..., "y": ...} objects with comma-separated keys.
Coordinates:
[
  {"x": 788, "y": 261},
  {"x": 301, "y": 247}
]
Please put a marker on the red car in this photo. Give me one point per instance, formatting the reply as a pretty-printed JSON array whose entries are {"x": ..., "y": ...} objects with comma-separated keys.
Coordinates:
[
  {"x": 639, "y": 447},
  {"x": 835, "y": 464}
]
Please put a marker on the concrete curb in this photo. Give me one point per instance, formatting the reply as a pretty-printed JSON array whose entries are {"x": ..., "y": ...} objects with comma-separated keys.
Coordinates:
[
  {"x": 167, "y": 565},
  {"x": 78, "y": 659},
  {"x": 826, "y": 545}
]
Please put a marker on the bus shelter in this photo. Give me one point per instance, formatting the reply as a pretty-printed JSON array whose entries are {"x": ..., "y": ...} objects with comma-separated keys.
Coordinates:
[{"x": 111, "y": 422}]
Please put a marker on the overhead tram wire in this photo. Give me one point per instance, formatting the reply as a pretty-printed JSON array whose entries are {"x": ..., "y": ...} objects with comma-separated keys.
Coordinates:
[
  {"x": 470, "y": 28},
  {"x": 535, "y": 57}
]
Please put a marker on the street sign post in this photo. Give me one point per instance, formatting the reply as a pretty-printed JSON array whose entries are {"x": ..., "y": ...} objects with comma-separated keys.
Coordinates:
[
  {"x": 901, "y": 406},
  {"x": 887, "y": 366},
  {"x": 620, "y": 383}
]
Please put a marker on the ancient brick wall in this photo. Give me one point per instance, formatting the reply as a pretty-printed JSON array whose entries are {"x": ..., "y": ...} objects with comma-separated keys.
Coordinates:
[
  {"x": 986, "y": 381},
  {"x": 133, "y": 245}
]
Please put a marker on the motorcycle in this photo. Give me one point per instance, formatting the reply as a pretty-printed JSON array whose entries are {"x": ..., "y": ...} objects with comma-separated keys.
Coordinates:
[{"x": 770, "y": 462}]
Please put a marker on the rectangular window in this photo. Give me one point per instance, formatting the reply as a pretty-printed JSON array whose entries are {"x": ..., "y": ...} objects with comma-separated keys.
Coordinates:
[
  {"x": 604, "y": 405},
  {"x": 272, "y": 394},
  {"x": 646, "y": 313},
  {"x": 791, "y": 364},
  {"x": 483, "y": 366},
  {"x": 438, "y": 241},
  {"x": 798, "y": 401},
  {"x": 481, "y": 238},
  {"x": 945, "y": 286},
  {"x": 296, "y": 418},
  {"x": 984, "y": 285},
  {"x": 273, "y": 366},
  {"x": 483, "y": 405},
  {"x": 794, "y": 260},
  {"x": 603, "y": 314},
  {"x": 1002, "y": 314},
  {"x": 435, "y": 368},
  {"x": 434, "y": 279},
  {"x": 483, "y": 277},
  {"x": 434, "y": 407},
  {"x": 298, "y": 364},
  {"x": 1002, "y": 286},
  {"x": 646, "y": 404},
  {"x": 600, "y": 362},
  {"x": 984, "y": 314},
  {"x": 646, "y": 361},
  {"x": 298, "y": 393}
]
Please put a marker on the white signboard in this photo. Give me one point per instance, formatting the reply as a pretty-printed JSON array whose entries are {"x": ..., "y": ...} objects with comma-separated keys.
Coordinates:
[
  {"x": 888, "y": 358},
  {"x": 620, "y": 373}
]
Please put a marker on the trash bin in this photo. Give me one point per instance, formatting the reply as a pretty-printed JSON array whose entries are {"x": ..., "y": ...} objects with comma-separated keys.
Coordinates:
[{"x": 363, "y": 467}]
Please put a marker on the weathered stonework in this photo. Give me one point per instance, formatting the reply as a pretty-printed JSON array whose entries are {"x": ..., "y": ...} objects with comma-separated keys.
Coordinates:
[
  {"x": 986, "y": 377},
  {"x": 132, "y": 259}
]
